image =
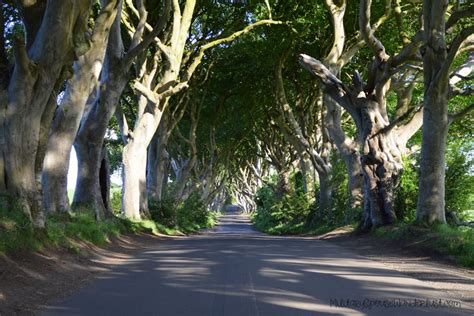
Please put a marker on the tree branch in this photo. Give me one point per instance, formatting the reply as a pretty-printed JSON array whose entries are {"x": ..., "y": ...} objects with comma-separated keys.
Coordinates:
[
  {"x": 176, "y": 23},
  {"x": 399, "y": 18},
  {"x": 409, "y": 51},
  {"x": 140, "y": 29},
  {"x": 104, "y": 22},
  {"x": 460, "y": 114},
  {"x": 453, "y": 50},
  {"x": 140, "y": 47},
  {"x": 123, "y": 125},
  {"x": 22, "y": 61},
  {"x": 458, "y": 15},
  {"x": 367, "y": 31},
  {"x": 197, "y": 60}
]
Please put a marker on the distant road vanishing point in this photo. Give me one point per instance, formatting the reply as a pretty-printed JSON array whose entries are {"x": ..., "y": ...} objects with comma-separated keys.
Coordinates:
[{"x": 235, "y": 270}]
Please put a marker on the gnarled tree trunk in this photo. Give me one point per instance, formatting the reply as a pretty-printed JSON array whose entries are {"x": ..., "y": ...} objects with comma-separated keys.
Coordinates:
[
  {"x": 349, "y": 151},
  {"x": 381, "y": 157},
  {"x": 69, "y": 113},
  {"x": 32, "y": 90}
]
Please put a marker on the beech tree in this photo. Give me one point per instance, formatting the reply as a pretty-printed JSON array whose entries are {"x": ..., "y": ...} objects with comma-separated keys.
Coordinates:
[
  {"x": 383, "y": 141},
  {"x": 43, "y": 56},
  {"x": 206, "y": 99},
  {"x": 171, "y": 79},
  {"x": 114, "y": 78},
  {"x": 307, "y": 134},
  {"x": 85, "y": 79},
  {"x": 440, "y": 84}
]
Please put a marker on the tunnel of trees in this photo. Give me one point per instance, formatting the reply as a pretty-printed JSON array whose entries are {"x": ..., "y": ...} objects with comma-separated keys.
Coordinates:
[{"x": 307, "y": 112}]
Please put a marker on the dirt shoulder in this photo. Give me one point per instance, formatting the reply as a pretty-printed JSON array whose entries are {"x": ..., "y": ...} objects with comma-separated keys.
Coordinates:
[
  {"x": 28, "y": 280},
  {"x": 437, "y": 270}
]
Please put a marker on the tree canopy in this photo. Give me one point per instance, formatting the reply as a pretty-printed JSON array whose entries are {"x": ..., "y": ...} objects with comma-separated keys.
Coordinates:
[{"x": 339, "y": 110}]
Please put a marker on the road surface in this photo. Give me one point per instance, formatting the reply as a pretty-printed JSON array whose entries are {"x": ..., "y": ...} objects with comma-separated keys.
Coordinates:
[{"x": 234, "y": 270}]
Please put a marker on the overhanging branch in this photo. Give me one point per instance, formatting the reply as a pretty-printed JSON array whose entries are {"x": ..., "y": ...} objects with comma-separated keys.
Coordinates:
[
  {"x": 457, "y": 116},
  {"x": 197, "y": 60}
]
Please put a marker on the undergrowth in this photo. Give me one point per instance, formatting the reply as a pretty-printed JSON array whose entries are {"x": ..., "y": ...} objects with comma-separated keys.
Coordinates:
[
  {"x": 442, "y": 239},
  {"x": 187, "y": 216},
  {"x": 17, "y": 233}
]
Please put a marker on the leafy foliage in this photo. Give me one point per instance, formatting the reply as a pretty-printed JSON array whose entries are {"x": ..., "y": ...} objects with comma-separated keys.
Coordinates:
[
  {"x": 459, "y": 179},
  {"x": 286, "y": 216},
  {"x": 17, "y": 232},
  {"x": 407, "y": 191},
  {"x": 459, "y": 184},
  {"x": 442, "y": 239},
  {"x": 189, "y": 216}
]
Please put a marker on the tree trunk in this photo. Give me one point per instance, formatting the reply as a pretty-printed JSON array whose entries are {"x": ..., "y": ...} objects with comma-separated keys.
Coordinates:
[
  {"x": 68, "y": 115},
  {"x": 283, "y": 186},
  {"x": 131, "y": 190},
  {"x": 325, "y": 193},
  {"x": 94, "y": 124},
  {"x": 88, "y": 193},
  {"x": 304, "y": 175},
  {"x": 348, "y": 150},
  {"x": 381, "y": 156},
  {"x": 134, "y": 190},
  {"x": 381, "y": 166},
  {"x": 56, "y": 162},
  {"x": 90, "y": 139},
  {"x": 104, "y": 183},
  {"x": 37, "y": 72},
  {"x": 143, "y": 185},
  {"x": 178, "y": 194},
  {"x": 356, "y": 180},
  {"x": 134, "y": 164},
  {"x": 3, "y": 145},
  {"x": 431, "y": 203},
  {"x": 157, "y": 162}
]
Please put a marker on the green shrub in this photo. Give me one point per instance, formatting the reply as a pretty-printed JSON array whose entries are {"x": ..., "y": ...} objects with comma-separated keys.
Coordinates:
[
  {"x": 189, "y": 216},
  {"x": 16, "y": 231},
  {"x": 116, "y": 201},
  {"x": 193, "y": 213},
  {"x": 459, "y": 184},
  {"x": 340, "y": 214},
  {"x": 264, "y": 200},
  {"x": 456, "y": 241},
  {"x": 442, "y": 238},
  {"x": 286, "y": 216},
  {"x": 164, "y": 212},
  {"x": 459, "y": 180},
  {"x": 407, "y": 192}
]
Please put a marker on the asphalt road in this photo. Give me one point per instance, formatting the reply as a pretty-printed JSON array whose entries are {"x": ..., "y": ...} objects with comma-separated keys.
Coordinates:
[{"x": 234, "y": 270}]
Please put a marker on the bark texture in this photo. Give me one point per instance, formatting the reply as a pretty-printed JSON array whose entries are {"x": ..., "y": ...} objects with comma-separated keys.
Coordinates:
[
  {"x": 381, "y": 141},
  {"x": 68, "y": 114},
  {"x": 381, "y": 147},
  {"x": 158, "y": 163},
  {"x": 55, "y": 36},
  {"x": 431, "y": 203}
]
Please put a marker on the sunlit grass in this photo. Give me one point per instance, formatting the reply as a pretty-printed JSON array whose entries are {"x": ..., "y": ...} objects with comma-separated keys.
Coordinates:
[{"x": 17, "y": 232}]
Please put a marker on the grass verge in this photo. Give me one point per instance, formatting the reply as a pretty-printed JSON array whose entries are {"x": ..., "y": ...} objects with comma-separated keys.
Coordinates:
[
  {"x": 17, "y": 232},
  {"x": 293, "y": 228},
  {"x": 441, "y": 239}
]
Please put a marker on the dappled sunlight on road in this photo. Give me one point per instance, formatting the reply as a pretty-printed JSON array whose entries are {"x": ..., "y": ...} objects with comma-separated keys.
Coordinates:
[{"x": 234, "y": 270}]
